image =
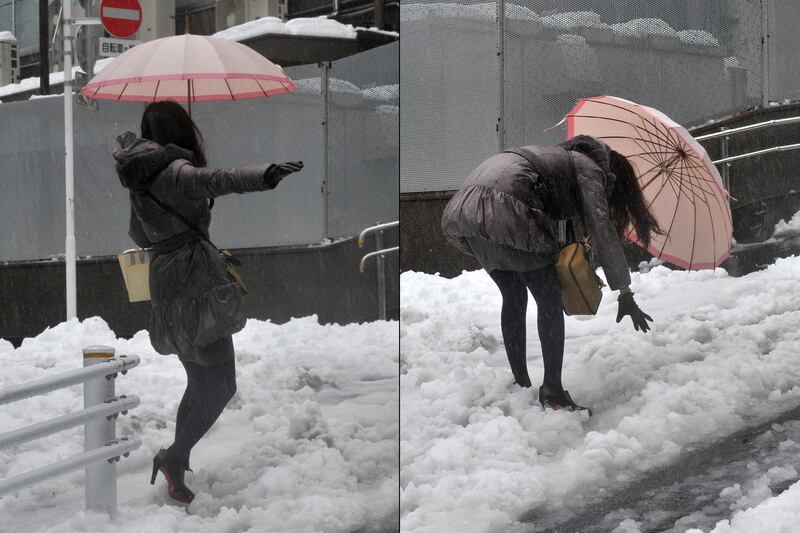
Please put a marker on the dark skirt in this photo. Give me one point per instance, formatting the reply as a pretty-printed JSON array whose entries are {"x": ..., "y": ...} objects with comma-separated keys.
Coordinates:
[{"x": 494, "y": 256}]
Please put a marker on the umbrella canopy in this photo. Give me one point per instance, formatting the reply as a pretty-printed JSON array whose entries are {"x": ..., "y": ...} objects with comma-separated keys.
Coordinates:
[
  {"x": 680, "y": 184},
  {"x": 188, "y": 68}
]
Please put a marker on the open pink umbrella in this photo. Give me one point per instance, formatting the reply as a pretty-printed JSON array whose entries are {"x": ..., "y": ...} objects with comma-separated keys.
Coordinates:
[
  {"x": 680, "y": 183},
  {"x": 188, "y": 68}
]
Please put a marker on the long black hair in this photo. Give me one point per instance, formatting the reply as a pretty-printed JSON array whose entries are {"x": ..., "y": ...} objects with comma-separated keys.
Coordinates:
[
  {"x": 167, "y": 122},
  {"x": 627, "y": 204}
]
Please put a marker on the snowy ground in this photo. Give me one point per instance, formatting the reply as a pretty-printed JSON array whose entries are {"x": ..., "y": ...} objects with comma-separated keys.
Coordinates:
[
  {"x": 478, "y": 454},
  {"x": 308, "y": 444}
]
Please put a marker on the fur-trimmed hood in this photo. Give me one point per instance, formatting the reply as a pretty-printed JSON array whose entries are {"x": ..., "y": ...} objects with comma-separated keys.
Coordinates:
[{"x": 139, "y": 161}]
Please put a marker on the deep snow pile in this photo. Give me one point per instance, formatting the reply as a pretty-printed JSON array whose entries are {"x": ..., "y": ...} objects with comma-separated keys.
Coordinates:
[
  {"x": 309, "y": 442},
  {"x": 479, "y": 454}
]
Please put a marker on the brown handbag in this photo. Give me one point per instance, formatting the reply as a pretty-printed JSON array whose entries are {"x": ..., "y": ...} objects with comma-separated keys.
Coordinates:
[{"x": 581, "y": 289}]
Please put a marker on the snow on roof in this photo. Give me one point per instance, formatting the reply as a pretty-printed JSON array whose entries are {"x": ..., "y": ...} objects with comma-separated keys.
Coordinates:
[
  {"x": 309, "y": 27},
  {"x": 7, "y": 37},
  {"x": 643, "y": 27},
  {"x": 484, "y": 11},
  {"x": 574, "y": 19},
  {"x": 383, "y": 92},
  {"x": 29, "y": 84},
  {"x": 698, "y": 37}
]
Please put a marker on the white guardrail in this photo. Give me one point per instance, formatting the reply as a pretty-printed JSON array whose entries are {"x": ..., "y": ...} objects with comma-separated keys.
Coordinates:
[
  {"x": 101, "y": 409},
  {"x": 378, "y": 255}
]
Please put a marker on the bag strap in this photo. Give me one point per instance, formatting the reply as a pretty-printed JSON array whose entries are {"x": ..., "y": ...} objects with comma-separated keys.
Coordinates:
[{"x": 182, "y": 218}]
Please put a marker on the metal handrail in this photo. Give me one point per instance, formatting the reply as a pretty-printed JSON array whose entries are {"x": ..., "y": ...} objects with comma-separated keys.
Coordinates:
[
  {"x": 378, "y": 230},
  {"x": 112, "y": 408},
  {"x": 784, "y": 148},
  {"x": 101, "y": 408},
  {"x": 749, "y": 127},
  {"x": 372, "y": 229},
  {"x": 110, "y": 452},
  {"x": 363, "y": 265},
  {"x": 121, "y": 364}
]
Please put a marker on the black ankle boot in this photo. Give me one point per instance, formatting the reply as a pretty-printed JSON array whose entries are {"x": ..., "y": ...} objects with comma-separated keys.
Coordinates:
[
  {"x": 173, "y": 469},
  {"x": 558, "y": 398}
]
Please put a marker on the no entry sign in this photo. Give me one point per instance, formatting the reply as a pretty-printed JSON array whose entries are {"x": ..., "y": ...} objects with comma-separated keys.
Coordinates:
[{"x": 121, "y": 18}]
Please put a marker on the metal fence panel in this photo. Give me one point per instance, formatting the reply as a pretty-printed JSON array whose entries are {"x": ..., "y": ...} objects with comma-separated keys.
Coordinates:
[
  {"x": 449, "y": 90},
  {"x": 283, "y": 128},
  {"x": 364, "y": 140},
  {"x": 693, "y": 59}
]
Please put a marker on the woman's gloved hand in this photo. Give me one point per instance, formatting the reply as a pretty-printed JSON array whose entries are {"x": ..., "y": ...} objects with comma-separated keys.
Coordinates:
[
  {"x": 627, "y": 306},
  {"x": 277, "y": 172}
]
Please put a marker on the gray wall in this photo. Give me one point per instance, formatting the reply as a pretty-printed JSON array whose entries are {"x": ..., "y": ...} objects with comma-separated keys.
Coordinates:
[{"x": 363, "y": 165}]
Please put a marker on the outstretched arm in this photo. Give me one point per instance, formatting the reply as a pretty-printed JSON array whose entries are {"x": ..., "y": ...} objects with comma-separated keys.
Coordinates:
[
  {"x": 605, "y": 240},
  {"x": 200, "y": 182}
]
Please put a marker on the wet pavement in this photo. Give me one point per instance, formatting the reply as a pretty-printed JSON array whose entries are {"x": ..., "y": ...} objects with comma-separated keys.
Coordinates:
[{"x": 696, "y": 492}]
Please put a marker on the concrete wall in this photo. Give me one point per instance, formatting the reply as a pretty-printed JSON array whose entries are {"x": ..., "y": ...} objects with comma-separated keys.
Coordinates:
[{"x": 282, "y": 283}]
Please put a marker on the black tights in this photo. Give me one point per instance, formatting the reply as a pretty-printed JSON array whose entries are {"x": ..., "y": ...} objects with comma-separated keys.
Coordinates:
[
  {"x": 546, "y": 289},
  {"x": 208, "y": 391}
]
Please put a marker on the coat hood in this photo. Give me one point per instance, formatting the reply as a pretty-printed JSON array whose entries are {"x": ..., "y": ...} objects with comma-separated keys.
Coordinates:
[{"x": 139, "y": 161}]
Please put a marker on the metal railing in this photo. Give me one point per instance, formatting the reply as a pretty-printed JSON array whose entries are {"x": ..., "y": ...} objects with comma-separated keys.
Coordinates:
[
  {"x": 378, "y": 254},
  {"x": 101, "y": 409},
  {"x": 725, "y": 135}
]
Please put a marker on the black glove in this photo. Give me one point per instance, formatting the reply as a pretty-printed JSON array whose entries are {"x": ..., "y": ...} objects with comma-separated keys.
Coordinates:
[
  {"x": 276, "y": 173},
  {"x": 627, "y": 306}
]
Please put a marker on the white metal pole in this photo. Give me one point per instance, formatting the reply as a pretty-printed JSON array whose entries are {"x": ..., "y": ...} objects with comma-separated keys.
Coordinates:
[
  {"x": 764, "y": 53},
  {"x": 14, "y": 17},
  {"x": 68, "y": 164},
  {"x": 101, "y": 477}
]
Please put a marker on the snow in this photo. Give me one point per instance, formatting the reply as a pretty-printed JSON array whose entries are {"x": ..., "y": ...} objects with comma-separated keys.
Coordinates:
[
  {"x": 478, "y": 454},
  {"x": 7, "y": 37},
  {"x": 486, "y": 11},
  {"x": 574, "y": 20},
  {"x": 641, "y": 28},
  {"x": 780, "y": 514},
  {"x": 309, "y": 27},
  {"x": 785, "y": 229},
  {"x": 698, "y": 37},
  {"x": 29, "y": 84},
  {"x": 732, "y": 62},
  {"x": 309, "y": 442}
]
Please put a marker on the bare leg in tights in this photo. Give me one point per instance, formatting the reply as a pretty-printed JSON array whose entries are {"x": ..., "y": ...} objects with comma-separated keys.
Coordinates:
[
  {"x": 208, "y": 391},
  {"x": 546, "y": 290}
]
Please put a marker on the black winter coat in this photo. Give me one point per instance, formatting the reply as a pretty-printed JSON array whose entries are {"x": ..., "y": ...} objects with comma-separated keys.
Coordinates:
[
  {"x": 504, "y": 201},
  {"x": 195, "y": 302}
]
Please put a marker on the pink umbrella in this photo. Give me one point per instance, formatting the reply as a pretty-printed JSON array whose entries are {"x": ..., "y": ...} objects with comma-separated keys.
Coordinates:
[
  {"x": 680, "y": 183},
  {"x": 188, "y": 68}
]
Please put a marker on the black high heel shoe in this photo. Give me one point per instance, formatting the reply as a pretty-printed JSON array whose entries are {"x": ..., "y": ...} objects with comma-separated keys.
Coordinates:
[
  {"x": 173, "y": 471},
  {"x": 559, "y": 399}
]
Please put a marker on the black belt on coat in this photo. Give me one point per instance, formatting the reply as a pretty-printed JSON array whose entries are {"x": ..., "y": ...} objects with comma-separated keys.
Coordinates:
[{"x": 176, "y": 242}]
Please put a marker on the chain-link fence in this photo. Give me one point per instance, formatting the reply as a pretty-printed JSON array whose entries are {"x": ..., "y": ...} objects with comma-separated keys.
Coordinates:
[{"x": 479, "y": 77}]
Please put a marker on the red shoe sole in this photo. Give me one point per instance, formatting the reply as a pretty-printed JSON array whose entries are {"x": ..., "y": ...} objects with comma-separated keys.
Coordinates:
[{"x": 174, "y": 493}]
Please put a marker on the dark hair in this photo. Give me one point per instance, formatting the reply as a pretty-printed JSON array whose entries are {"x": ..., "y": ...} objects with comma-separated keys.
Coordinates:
[
  {"x": 167, "y": 122},
  {"x": 627, "y": 202},
  {"x": 593, "y": 149}
]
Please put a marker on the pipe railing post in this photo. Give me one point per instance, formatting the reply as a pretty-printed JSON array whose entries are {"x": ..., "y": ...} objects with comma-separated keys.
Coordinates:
[
  {"x": 101, "y": 477},
  {"x": 381, "y": 276}
]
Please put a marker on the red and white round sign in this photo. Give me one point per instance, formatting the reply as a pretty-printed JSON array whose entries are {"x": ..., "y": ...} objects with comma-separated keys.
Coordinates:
[{"x": 121, "y": 18}]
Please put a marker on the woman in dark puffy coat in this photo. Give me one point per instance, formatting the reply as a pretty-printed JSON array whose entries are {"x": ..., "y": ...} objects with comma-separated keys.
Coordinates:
[
  {"x": 196, "y": 303},
  {"x": 506, "y": 216}
]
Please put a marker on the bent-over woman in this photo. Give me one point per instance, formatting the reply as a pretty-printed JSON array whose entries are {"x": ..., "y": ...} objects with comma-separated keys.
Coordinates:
[{"x": 506, "y": 215}]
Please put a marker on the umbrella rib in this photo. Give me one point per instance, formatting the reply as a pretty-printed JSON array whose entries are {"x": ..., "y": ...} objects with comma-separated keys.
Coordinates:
[
  {"x": 668, "y": 147},
  {"x": 155, "y": 94},
  {"x": 258, "y": 82},
  {"x": 641, "y": 117},
  {"x": 229, "y": 89},
  {"x": 122, "y": 92}
]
